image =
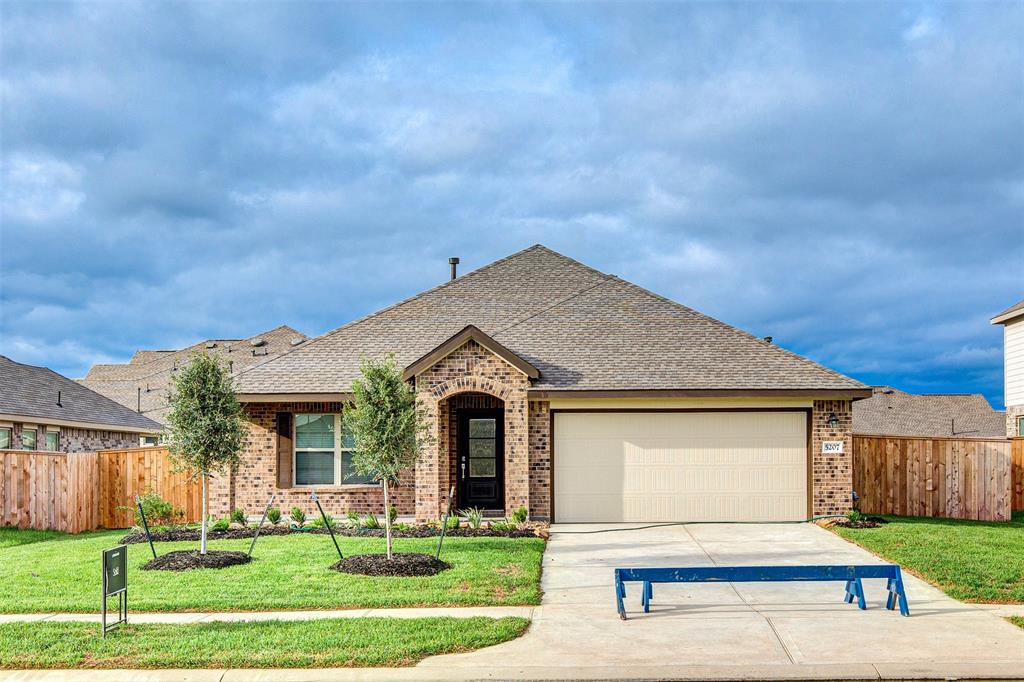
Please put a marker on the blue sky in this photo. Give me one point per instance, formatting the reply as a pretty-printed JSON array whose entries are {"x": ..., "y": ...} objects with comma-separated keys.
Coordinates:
[{"x": 848, "y": 178}]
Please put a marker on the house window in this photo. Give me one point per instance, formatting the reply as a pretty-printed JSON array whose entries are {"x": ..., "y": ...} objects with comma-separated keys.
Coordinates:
[
  {"x": 322, "y": 455},
  {"x": 5, "y": 437},
  {"x": 147, "y": 441},
  {"x": 28, "y": 439},
  {"x": 1020, "y": 426},
  {"x": 52, "y": 440}
]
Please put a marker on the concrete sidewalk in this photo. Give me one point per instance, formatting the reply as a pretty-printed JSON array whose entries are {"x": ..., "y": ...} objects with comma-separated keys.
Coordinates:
[{"x": 251, "y": 616}]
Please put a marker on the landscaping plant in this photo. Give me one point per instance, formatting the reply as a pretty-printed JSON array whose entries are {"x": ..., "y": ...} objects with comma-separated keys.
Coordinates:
[
  {"x": 318, "y": 522},
  {"x": 220, "y": 524},
  {"x": 371, "y": 522},
  {"x": 238, "y": 516},
  {"x": 353, "y": 519},
  {"x": 473, "y": 517},
  {"x": 205, "y": 425},
  {"x": 159, "y": 512},
  {"x": 383, "y": 422},
  {"x": 274, "y": 516},
  {"x": 520, "y": 515},
  {"x": 298, "y": 516}
]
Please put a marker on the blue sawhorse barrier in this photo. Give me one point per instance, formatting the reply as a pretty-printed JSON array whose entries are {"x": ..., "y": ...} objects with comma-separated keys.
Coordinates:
[{"x": 851, "y": 575}]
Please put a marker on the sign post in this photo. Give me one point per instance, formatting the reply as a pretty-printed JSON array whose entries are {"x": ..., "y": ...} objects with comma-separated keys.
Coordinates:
[{"x": 115, "y": 583}]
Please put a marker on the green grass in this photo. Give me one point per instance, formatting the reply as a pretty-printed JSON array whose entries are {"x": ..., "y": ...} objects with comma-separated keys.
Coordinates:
[
  {"x": 1016, "y": 620},
  {"x": 357, "y": 642},
  {"x": 973, "y": 561},
  {"x": 287, "y": 572},
  {"x": 12, "y": 537}
]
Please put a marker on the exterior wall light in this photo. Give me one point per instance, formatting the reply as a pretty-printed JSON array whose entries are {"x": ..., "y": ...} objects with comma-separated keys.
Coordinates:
[{"x": 833, "y": 421}]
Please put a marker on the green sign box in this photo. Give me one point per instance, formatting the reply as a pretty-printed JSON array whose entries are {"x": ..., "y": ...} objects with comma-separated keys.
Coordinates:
[{"x": 115, "y": 570}]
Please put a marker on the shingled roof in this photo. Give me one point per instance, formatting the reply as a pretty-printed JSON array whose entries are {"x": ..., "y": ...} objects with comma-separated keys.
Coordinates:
[
  {"x": 891, "y": 412},
  {"x": 142, "y": 383},
  {"x": 31, "y": 393},
  {"x": 1012, "y": 313},
  {"x": 583, "y": 329}
]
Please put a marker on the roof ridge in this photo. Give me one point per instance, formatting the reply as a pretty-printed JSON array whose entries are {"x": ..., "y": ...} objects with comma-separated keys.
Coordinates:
[
  {"x": 737, "y": 330},
  {"x": 348, "y": 325}
]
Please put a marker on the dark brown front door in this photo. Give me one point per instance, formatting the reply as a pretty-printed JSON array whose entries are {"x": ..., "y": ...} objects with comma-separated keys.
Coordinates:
[{"x": 481, "y": 458}]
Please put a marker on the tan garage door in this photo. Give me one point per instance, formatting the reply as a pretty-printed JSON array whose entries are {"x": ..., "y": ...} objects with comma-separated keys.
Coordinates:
[{"x": 680, "y": 466}]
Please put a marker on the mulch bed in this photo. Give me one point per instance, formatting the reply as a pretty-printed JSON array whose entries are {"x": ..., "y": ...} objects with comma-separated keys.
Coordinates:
[
  {"x": 867, "y": 522},
  {"x": 192, "y": 534},
  {"x": 411, "y": 564},
  {"x": 186, "y": 560}
]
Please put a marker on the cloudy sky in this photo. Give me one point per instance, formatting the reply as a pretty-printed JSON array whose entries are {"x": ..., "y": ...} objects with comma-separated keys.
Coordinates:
[{"x": 846, "y": 178}]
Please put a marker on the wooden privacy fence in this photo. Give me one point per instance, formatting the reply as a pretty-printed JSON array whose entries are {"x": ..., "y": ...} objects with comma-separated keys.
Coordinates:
[
  {"x": 123, "y": 474},
  {"x": 1018, "y": 473},
  {"x": 49, "y": 490},
  {"x": 74, "y": 492},
  {"x": 957, "y": 478}
]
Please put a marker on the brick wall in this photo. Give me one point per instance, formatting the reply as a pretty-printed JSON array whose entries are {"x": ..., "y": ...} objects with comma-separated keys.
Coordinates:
[
  {"x": 831, "y": 474},
  {"x": 255, "y": 481},
  {"x": 1013, "y": 415},
  {"x": 540, "y": 461},
  {"x": 77, "y": 440},
  {"x": 470, "y": 368}
]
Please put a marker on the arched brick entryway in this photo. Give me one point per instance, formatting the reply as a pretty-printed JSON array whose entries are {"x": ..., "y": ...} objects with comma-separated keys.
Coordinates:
[{"x": 470, "y": 369}]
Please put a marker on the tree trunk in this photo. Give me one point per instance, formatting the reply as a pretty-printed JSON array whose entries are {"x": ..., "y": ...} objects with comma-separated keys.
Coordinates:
[
  {"x": 202, "y": 534},
  {"x": 387, "y": 517}
]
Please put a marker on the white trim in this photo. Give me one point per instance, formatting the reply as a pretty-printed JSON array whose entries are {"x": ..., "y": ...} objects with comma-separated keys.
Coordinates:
[
  {"x": 6, "y": 425},
  {"x": 53, "y": 428},
  {"x": 82, "y": 425},
  {"x": 339, "y": 450}
]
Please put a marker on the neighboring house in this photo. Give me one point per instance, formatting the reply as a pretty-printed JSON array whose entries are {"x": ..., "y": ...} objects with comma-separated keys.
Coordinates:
[
  {"x": 1012, "y": 320},
  {"x": 142, "y": 383},
  {"x": 42, "y": 410},
  {"x": 551, "y": 385},
  {"x": 890, "y": 412}
]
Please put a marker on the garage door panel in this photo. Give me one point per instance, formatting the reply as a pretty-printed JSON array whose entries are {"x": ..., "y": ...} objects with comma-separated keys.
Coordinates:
[{"x": 716, "y": 466}]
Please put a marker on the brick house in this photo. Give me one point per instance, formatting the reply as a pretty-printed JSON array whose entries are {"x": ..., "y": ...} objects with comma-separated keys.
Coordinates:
[
  {"x": 557, "y": 387},
  {"x": 41, "y": 410}
]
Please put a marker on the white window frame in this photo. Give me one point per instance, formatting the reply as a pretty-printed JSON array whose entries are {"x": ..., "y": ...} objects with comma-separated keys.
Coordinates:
[
  {"x": 339, "y": 452},
  {"x": 9, "y": 428},
  {"x": 46, "y": 435},
  {"x": 21, "y": 437}
]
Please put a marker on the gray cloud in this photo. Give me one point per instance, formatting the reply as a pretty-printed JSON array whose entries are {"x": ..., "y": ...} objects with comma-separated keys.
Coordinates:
[{"x": 848, "y": 179}]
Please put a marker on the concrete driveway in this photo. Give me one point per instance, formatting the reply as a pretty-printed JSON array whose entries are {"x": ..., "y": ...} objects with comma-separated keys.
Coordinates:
[{"x": 760, "y": 630}]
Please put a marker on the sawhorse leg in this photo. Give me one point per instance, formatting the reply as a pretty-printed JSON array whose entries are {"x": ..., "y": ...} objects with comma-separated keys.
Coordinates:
[
  {"x": 620, "y": 594},
  {"x": 648, "y": 594},
  {"x": 855, "y": 588},
  {"x": 897, "y": 594}
]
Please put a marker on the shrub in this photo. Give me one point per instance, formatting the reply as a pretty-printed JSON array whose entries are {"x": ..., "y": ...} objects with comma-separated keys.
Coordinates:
[
  {"x": 403, "y": 526},
  {"x": 159, "y": 512},
  {"x": 353, "y": 519},
  {"x": 473, "y": 517},
  {"x": 371, "y": 522},
  {"x": 221, "y": 524},
  {"x": 238, "y": 516},
  {"x": 854, "y": 516},
  {"x": 318, "y": 522},
  {"x": 392, "y": 513},
  {"x": 298, "y": 516},
  {"x": 274, "y": 515},
  {"x": 504, "y": 525},
  {"x": 520, "y": 515},
  {"x": 453, "y": 522}
]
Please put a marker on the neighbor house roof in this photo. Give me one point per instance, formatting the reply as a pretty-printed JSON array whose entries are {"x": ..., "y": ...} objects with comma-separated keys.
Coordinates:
[
  {"x": 29, "y": 393},
  {"x": 890, "y": 412},
  {"x": 582, "y": 329},
  {"x": 1011, "y": 313},
  {"x": 142, "y": 383}
]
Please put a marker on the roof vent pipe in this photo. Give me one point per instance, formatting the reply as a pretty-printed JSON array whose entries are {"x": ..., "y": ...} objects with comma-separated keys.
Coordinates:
[
  {"x": 767, "y": 339},
  {"x": 454, "y": 262},
  {"x": 58, "y": 399}
]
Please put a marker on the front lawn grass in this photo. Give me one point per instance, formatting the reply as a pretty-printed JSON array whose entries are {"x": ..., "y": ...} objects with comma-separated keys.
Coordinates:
[
  {"x": 12, "y": 537},
  {"x": 338, "y": 642},
  {"x": 976, "y": 561},
  {"x": 1017, "y": 620},
  {"x": 287, "y": 572}
]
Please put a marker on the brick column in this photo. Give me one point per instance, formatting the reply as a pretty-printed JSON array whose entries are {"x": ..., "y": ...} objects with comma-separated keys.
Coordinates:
[{"x": 831, "y": 474}]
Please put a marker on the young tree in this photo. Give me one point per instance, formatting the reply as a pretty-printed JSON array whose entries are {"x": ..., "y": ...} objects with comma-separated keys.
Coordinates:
[
  {"x": 206, "y": 425},
  {"x": 383, "y": 422}
]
